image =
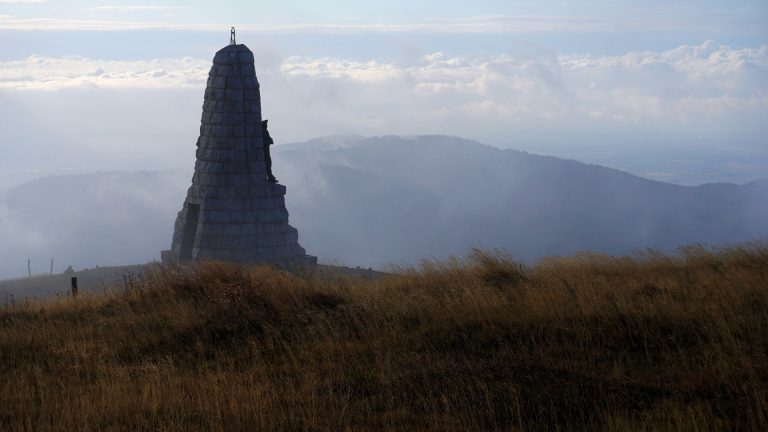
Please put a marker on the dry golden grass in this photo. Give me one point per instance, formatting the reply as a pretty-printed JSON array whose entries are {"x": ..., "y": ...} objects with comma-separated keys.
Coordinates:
[{"x": 589, "y": 342}]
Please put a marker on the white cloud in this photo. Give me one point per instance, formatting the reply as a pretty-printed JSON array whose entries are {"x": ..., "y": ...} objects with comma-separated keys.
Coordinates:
[
  {"x": 683, "y": 82},
  {"x": 689, "y": 96},
  {"x": 689, "y": 82},
  {"x": 56, "y": 24},
  {"x": 133, "y": 8},
  {"x": 21, "y": 1},
  {"x": 503, "y": 24},
  {"x": 44, "y": 73}
]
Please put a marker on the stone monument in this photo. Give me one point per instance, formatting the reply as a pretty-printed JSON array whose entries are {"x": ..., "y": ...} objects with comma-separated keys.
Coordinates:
[{"x": 232, "y": 211}]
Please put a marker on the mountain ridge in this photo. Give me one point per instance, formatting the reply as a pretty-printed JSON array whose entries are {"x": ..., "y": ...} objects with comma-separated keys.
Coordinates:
[{"x": 374, "y": 201}]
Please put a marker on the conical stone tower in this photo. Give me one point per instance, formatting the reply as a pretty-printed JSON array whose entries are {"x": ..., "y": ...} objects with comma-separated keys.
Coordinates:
[{"x": 232, "y": 212}]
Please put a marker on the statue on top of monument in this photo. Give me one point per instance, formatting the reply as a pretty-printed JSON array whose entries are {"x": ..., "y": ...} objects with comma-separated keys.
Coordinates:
[{"x": 268, "y": 141}]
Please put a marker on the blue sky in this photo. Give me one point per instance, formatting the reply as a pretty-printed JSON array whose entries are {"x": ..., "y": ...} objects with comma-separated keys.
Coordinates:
[{"x": 676, "y": 91}]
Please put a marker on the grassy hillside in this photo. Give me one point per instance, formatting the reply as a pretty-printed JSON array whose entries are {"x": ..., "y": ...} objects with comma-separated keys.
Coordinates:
[
  {"x": 90, "y": 280},
  {"x": 585, "y": 342}
]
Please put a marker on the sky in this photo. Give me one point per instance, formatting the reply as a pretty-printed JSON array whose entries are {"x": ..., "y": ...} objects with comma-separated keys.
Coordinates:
[{"x": 673, "y": 91}]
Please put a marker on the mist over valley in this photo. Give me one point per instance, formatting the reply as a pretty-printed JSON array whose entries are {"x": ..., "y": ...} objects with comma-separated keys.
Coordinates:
[{"x": 376, "y": 201}]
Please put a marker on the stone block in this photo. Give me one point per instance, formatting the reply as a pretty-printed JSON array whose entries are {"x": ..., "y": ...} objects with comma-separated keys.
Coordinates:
[
  {"x": 273, "y": 240},
  {"x": 221, "y": 70},
  {"x": 211, "y": 168},
  {"x": 228, "y": 107},
  {"x": 259, "y": 174},
  {"x": 227, "y": 191},
  {"x": 212, "y": 94},
  {"x": 217, "y": 216},
  {"x": 237, "y": 179},
  {"x": 248, "y": 242},
  {"x": 259, "y": 154},
  {"x": 234, "y": 204},
  {"x": 247, "y": 70},
  {"x": 216, "y": 131},
  {"x": 217, "y": 180},
  {"x": 245, "y": 255},
  {"x": 267, "y": 253},
  {"x": 277, "y": 189},
  {"x": 223, "y": 254},
  {"x": 212, "y": 229},
  {"x": 207, "y": 242},
  {"x": 245, "y": 57},
  {"x": 206, "y": 190},
  {"x": 272, "y": 228},
  {"x": 297, "y": 250},
  {"x": 206, "y": 154},
  {"x": 251, "y": 83},
  {"x": 193, "y": 191},
  {"x": 214, "y": 204},
  {"x": 239, "y": 217},
  {"x": 239, "y": 154},
  {"x": 230, "y": 242},
  {"x": 292, "y": 236},
  {"x": 260, "y": 190},
  {"x": 233, "y": 230},
  {"x": 251, "y": 229},
  {"x": 260, "y": 204},
  {"x": 283, "y": 252},
  {"x": 258, "y": 178},
  {"x": 239, "y": 167},
  {"x": 218, "y": 143},
  {"x": 225, "y": 155},
  {"x": 273, "y": 215},
  {"x": 233, "y": 94},
  {"x": 204, "y": 253}
]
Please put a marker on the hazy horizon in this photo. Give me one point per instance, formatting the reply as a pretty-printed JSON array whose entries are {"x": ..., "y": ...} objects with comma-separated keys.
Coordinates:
[{"x": 373, "y": 202}]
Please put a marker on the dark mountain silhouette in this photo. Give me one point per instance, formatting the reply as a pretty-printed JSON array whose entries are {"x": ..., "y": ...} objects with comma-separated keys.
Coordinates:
[
  {"x": 372, "y": 201},
  {"x": 436, "y": 195}
]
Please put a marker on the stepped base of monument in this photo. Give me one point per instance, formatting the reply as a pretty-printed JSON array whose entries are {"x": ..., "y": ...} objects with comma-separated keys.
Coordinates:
[{"x": 169, "y": 257}]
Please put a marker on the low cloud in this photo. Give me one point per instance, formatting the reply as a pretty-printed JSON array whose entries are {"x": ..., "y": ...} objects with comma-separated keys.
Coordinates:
[
  {"x": 46, "y": 73},
  {"x": 133, "y": 8},
  {"x": 606, "y": 21},
  {"x": 707, "y": 96},
  {"x": 688, "y": 82},
  {"x": 22, "y": 1}
]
